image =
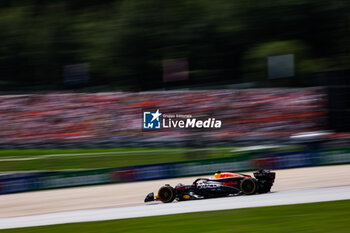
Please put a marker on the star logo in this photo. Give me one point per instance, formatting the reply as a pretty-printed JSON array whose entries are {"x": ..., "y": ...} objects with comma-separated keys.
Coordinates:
[
  {"x": 156, "y": 115},
  {"x": 152, "y": 120}
]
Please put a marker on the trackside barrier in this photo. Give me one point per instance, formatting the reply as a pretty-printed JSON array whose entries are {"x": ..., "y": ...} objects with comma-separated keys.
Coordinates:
[
  {"x": 75, "y": 178},
  {"x": 21, "y": 182}
]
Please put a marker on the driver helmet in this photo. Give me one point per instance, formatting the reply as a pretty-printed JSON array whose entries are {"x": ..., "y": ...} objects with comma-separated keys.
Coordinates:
[{"x": 217, "y": 174}]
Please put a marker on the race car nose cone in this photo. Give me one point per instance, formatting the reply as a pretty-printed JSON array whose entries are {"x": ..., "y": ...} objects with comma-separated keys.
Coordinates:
[{"x": 149, "y": 197}]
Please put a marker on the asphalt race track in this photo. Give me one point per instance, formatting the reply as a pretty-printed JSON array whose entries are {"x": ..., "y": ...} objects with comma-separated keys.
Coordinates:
[
  {"x": 270, "y": 199},
  {"x": 118, "y": 201}
]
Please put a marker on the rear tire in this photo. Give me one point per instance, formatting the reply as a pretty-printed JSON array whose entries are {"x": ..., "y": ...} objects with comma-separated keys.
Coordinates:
[
  {"x": 166, "y": 194},
  {"x": 248, "y": 186}
]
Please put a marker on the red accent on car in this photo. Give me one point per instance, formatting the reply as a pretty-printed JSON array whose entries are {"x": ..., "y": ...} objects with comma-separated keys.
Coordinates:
[
  {"x": 230, "y": 183},
  {"x": 227, "y": 175}
]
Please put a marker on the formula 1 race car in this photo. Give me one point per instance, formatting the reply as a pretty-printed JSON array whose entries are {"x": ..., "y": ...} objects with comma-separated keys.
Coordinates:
[{"x": 221, "y": 185}]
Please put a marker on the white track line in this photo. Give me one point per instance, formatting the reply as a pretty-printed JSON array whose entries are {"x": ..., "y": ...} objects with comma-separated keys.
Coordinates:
[{"x": 270, "y": 199}]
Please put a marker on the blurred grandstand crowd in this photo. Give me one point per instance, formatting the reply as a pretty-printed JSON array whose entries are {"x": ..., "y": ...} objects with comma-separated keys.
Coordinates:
[{"x": 69, "y": 118}]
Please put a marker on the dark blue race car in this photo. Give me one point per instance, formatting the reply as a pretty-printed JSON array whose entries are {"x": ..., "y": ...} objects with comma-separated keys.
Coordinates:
[{"x": 221, "y": 185}]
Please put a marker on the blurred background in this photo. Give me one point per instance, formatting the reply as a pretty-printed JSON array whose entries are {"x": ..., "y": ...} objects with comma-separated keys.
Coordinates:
[
  {"x": 128, "y": 45},
  {"x": 56, "y": 57},
  {"x": 78, "y": 74}
]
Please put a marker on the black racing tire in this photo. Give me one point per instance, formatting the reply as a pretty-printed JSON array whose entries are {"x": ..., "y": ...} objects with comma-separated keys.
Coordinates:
[
  {"x": 248, "y": 186},
  {"x": 166, "y": 194}
]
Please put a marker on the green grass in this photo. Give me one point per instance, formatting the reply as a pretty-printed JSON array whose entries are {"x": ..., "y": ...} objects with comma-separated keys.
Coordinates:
[
  {"x": 315, "y": 217},
  {"x": 114, "y": 157},
  {"x": 34, "y": 152},
  {"x": 59, "y": 159}
]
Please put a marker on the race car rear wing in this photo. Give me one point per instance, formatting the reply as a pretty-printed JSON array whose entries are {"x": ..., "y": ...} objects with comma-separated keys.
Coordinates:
[{"x": 265, "y": 175}]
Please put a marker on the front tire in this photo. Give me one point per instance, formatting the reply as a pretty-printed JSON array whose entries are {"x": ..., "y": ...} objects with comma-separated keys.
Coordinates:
[
  {"x": 166, "y": 194},
  {"x": 248, "y": 186}
]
